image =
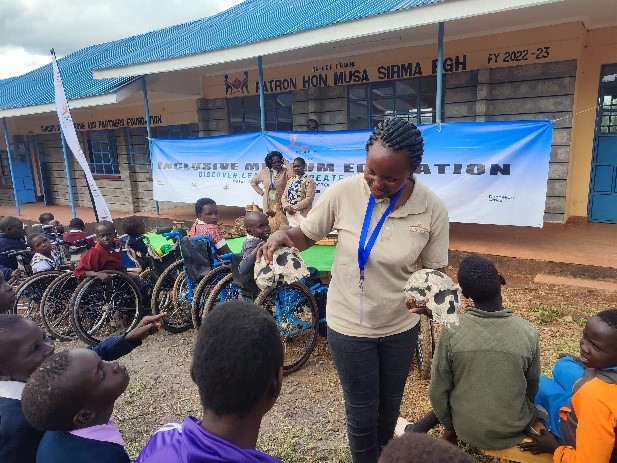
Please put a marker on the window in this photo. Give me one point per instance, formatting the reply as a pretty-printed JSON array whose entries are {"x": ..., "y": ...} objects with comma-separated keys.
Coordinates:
[
  {"x": 608, "y": 99},
  {"x": 102, "y": 152},
  {"x": 5, "y": 170},
  {"x": 411, "y": 99},
  {"x": 139, "y": 148},
  {"x": 244, "y": 114}
]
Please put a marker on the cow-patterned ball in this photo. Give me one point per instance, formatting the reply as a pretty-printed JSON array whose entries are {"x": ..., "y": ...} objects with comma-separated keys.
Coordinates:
[
  {"x": 438, "y": 292},
  {"x": 287, "y": 267}
]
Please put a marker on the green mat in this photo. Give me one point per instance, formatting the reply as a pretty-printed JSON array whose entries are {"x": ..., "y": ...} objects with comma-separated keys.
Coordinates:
[{"x": 320, "y": 257}]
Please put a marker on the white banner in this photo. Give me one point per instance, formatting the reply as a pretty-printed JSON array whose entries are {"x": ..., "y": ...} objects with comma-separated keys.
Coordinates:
[
  {"x": 68, "y": 129},
  {"x": 485, "y": 172}
]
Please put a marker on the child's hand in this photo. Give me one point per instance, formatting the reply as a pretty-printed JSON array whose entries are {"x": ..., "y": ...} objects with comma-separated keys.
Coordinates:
[
  {"x": 104, "y": 277},
  {"x": 16, "y": 273},
  {"x": 147, "y": 326},
  {"x": 544, "y": 442},
  {"x": 413, "y": 307},
  {"x": 254, "y": 251},
  {"x": 449, "y": 434}
]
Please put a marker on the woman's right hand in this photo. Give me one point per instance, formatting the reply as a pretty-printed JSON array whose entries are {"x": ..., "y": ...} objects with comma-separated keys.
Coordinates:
[{"x": 279, "y": 239}]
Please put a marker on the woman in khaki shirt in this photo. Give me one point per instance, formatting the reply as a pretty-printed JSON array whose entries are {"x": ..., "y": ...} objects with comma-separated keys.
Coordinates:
[
  {"x": 386, "y": 222},
  {"x": 273, "y": 180},
  {"x": 299, "y": 194}
]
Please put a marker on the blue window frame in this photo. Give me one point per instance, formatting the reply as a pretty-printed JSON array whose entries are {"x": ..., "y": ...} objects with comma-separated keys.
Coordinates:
[
  {"x": 244, "y": 115},
  {"x": 411, "y": 99},
  {"x": 103, "y": 157}
]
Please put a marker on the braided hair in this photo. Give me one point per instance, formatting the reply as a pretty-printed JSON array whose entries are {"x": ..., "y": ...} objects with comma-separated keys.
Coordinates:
[
  {"x": 399, "y": 135},
  {"x": 269, "y": 157},
  {"x": 609, "y": 317}
]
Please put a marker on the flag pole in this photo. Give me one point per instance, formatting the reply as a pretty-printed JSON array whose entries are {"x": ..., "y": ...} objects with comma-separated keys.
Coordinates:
[
  {"x": 69, "y": 136},
  {"x": 68, "y": 174}
]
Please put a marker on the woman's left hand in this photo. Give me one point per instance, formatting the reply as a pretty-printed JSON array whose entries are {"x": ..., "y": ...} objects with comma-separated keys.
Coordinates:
[{"x": 413, "y": 307}]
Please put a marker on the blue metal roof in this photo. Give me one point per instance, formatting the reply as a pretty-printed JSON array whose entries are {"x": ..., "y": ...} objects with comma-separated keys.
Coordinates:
[
  {"x": 248, "y": 22},
  {"x": 37, "y": 87}
]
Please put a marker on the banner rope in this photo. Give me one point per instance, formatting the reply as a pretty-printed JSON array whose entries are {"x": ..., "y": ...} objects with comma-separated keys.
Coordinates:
[{"x": 576, "y": 114}]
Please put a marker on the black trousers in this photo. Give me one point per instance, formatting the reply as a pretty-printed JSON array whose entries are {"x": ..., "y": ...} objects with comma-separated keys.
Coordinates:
[{"x": 373, "y": 372}]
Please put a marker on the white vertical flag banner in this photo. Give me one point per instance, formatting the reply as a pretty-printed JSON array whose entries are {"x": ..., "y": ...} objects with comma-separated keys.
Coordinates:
[{"x": 68, "y": 129}]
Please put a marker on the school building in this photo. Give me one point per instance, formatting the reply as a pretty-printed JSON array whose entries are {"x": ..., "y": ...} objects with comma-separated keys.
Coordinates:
[{"x": 346, "y": 63}]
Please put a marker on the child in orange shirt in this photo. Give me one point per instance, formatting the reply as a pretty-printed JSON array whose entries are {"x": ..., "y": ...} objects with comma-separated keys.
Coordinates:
[{"x": 588, "y": 423}]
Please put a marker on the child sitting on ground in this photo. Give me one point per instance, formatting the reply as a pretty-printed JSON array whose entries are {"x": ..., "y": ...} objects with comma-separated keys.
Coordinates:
[
  {"x": 71, "y": 397},
  {"x": 45, "y": 257},
  {"x": 413, "y": 447},
  {"x": 257, "y": 231},
  {"x": 490, "y": 352},
  {"x": 238, "y": 368},
  {"x": 586, "y": 420},
  {"x": 24, "y": 346},
  {"x": 76, "y": 232},
  {"x": 206, "y": 224}
]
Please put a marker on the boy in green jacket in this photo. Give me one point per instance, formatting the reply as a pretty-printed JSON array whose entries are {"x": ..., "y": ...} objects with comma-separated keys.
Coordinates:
[{"x": 486, "y": 369}]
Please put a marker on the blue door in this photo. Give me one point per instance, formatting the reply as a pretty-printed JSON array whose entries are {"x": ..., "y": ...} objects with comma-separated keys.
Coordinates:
[
  {"x": 603, "y": 187},
  {"x": 22, "y": 174}
]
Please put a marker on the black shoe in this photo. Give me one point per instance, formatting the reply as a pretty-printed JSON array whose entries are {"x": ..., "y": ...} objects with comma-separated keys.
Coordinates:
[{"x": 424, "y": 425}]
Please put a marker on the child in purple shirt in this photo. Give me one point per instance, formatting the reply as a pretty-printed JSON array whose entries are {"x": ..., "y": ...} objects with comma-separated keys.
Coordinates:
[{"x": 238, "y": 368}]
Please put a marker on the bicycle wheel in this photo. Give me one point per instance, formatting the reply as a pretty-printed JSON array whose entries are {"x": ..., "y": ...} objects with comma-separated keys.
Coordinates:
[
  {"x": 225, "y": 290},
  {"x": 55, "y": 308},
  {"x": 425, "y": 347},
  {"x": 29, "y": 294},
  {"x": 296, "y": 314},
  {"x": 162, "y": 295},
  {"x": 203, "y": 290},
  {"x": 102, "y": 309}
]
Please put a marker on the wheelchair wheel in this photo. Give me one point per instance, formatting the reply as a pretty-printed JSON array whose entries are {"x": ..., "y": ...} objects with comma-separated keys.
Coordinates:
[
  {"x": 203, "y": 290},
  {"x": 425, "y": 347},
  {"x": 296, "y": 314},
  {"x": 225, "y": 290},
  {"x": 29, "y": 294},
  {"x": 102, "y": 309},
  {"x": 179, "y": 317},
  {"x": 162, "y": 294},
  {"x": 55, "y": 309}
]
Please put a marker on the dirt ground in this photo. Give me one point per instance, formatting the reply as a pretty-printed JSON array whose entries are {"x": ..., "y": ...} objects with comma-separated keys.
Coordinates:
[{"x": 308, "y": 422}]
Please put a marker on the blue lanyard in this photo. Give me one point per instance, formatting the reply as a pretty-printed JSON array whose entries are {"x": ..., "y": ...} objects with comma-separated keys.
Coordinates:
[
  {"x": 272, "y": 187},
  {"x": 364, "y": 248}
]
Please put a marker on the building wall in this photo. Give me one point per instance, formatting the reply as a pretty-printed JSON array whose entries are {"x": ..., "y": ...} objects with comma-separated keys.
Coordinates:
[{"x": 544, "y": 73}]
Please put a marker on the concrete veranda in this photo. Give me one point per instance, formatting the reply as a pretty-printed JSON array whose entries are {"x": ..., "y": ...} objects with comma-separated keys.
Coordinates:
[{"x": 591, "y": 244}]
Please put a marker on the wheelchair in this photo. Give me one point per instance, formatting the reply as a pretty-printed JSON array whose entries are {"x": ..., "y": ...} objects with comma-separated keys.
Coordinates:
[
  {"x": 29, "y": 293},
  {"x": 293, "y": 307},
  {"x": 176, "y": 288},
  {"x": 425, "y": 348},
  {"x": 100, "y": 309}
]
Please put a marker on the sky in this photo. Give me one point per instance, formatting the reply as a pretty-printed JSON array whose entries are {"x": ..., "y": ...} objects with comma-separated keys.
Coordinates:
[{"x": 30, "y": 28}]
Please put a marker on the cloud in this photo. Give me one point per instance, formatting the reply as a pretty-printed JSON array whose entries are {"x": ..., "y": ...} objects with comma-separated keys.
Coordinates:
[{"x": 30, "y": 28}]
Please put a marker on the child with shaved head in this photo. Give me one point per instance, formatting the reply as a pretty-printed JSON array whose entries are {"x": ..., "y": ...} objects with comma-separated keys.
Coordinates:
[
  {"x": 71, "y": 397},
  {"x": 257, "y": 232},
  {"x": 24, "y": 346}
]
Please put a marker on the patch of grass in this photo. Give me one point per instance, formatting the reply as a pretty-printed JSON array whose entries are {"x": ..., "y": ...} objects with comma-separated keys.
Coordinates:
[{"x": 546, "y": 313}]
